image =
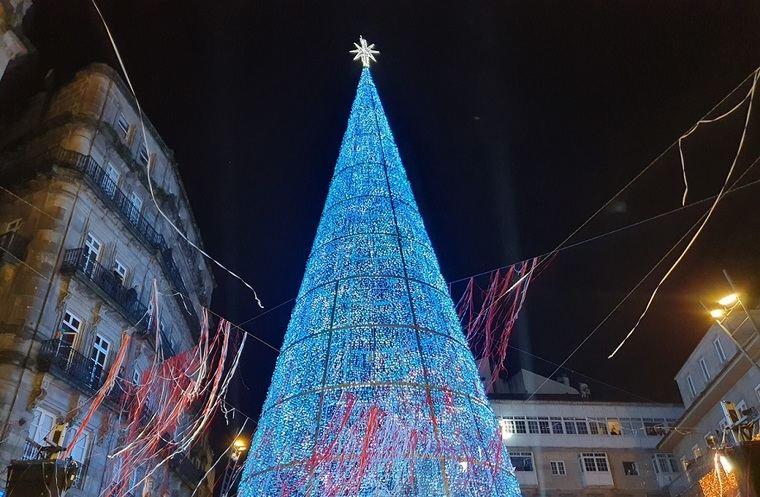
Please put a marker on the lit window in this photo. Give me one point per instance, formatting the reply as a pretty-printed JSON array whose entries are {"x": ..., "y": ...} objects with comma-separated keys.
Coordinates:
[
  {"x": 558, "y": 468},
  {"x": 614, "y": 427},
  {"x": 630, "y": 469},
  {"x": 594, "y": 462},
  {"x": 522, "y": 461},
  {"x": 122, "y": 125},
  {"x": 719, "y": 350}
]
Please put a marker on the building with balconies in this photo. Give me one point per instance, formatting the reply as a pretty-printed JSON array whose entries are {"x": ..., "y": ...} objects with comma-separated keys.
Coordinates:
[
  {"x": 563, "y": 444},
  {"x": 82, "y": 247}
]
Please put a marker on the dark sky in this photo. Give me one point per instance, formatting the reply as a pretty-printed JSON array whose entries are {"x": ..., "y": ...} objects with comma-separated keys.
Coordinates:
[{"x": 515, "y": 120}]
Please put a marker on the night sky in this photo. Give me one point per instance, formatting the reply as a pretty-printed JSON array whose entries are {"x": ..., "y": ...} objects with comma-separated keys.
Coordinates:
[{"x": 515, "y": 121}]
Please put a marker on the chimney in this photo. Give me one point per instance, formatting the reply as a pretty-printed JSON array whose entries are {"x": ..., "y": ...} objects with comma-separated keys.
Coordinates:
[{"x": 585, "y": 390}]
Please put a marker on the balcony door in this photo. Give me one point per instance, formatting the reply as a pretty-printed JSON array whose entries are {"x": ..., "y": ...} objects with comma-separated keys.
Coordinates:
[
  {"x": 99, "y": 357},
  {"x": 110, "y": 180},
  {"x": 134, "y": 212},
  {"x": 90, "y": 254}
]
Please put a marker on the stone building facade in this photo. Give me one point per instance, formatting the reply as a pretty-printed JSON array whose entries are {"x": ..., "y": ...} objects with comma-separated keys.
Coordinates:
[
  {"x": 565, "y": 445},
  {"x": 82, "y": 246}
]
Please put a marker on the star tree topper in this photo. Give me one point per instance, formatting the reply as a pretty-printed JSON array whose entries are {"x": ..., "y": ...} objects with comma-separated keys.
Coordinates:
[{"x": 364, "y": 52}]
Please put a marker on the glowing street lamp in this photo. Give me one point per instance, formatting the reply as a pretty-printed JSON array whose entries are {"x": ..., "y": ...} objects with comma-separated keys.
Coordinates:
[{"x": 729, "y": 300}]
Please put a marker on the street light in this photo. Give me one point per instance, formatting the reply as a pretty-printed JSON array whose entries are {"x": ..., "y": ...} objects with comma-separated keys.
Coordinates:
[
  {"x": 234, "y": 465},
  {"x": 729, "y": 300},
  {"x": 717, "y": 313}
]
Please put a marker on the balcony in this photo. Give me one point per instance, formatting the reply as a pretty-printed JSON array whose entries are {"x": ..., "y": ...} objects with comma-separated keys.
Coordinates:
[
  {"x": 12, "y": 248},
  {"x": 106, "y": 189},
  {"x": 146, "y": 232},
  {"x": 61, "y": 360},
  {"x": 107, "y": 284}
]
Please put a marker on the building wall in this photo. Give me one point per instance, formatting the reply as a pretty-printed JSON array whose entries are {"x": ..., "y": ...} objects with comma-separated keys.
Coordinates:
[
  {"x": 715, "y": 377},
  {"x": 640, "y": 427},
  {"x": 58, "y": 207}
]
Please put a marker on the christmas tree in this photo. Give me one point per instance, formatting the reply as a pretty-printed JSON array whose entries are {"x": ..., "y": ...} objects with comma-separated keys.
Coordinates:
[{"x": 375, "y": 391}]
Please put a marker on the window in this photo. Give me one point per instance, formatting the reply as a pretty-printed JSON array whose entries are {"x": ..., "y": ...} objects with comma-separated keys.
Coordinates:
[
  {"x": 522, "y": 461},
  {"x": 41, "y": 426},
  {"x": 558, "y": 468},
  {"x": 692, "y": 390},
  {"x": 741, "y": 406},
  {"x": 719, "y": 350},
  {"x": 142, "y": 156},
  {"x": 70, "y": 326},
  {"x": 570, "y": 427},
  {"x": 532, "y": 425},
  {"x": 630, "y": 469},
  {"x": 614, "y": 427},
  {"x": 79, "y": 454},
  {"x": 652, "y": 427},
  {"x": 14, "y": 226},
  {"x": 582, "y": 426},
  {"x": 122, "y": 126},
  {"x": 703, "y": 366},
  {"x": 664, "y": 463},
  {"x": 597, "y": 426},
  {"x": 111, "y": 179},
  {"x": 594, "y": 461},
  {"x": 519, "y": 425},
  {"x": 120, "y": 271},
  {"x": 136, "y": 207},
  {"x": 557, "y": 424},
  {"x": 696, "y": 452},
  {"x": 99, "y": 357},
  {"x": 543, "y": 426}
]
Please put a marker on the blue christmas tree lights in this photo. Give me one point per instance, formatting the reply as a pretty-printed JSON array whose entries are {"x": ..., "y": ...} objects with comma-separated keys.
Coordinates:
[{"x": 375, "y": 392}]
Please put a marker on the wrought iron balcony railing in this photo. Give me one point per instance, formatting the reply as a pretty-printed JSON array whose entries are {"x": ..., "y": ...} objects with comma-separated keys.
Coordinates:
[
  {"x": 12, "y": 247},
  {"x": 59, "y": 358},
  {"x": 110, "y": 193},
  {"x": 113, "y": 196},
  {"x": 106, "y": 283}
]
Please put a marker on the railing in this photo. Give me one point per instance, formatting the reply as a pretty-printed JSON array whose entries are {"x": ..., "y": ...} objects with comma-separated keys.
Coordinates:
[
  {"x": 114, "y": 197},
  {"x": 12, "y": 247},
  {"x": 687, "y": 479},
  {"x": 31, "y": 450},
  {"x": 110, "y": 193},
  {"x": 186, "y": 308},
  {"x": 59, "y": 358},
  {"x": 124, "y": 299}
]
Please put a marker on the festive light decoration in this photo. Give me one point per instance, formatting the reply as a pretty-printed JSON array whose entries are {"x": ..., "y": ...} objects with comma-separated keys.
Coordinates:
[
  {"x": 489, "y": 316},
  {"x": 375, "y": 392}
]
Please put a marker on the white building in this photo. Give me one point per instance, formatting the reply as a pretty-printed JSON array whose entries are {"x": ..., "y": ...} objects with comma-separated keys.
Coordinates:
[
  {"x": 564, "y": 445},
  {"x": 715, "y": 371}
]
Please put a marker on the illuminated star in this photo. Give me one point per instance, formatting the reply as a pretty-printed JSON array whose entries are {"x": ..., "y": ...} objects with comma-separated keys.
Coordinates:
[{"x": 364, "y": 52}]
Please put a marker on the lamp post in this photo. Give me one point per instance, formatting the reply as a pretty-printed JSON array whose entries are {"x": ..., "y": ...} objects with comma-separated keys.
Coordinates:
[{"x": 234, "y": 465}]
